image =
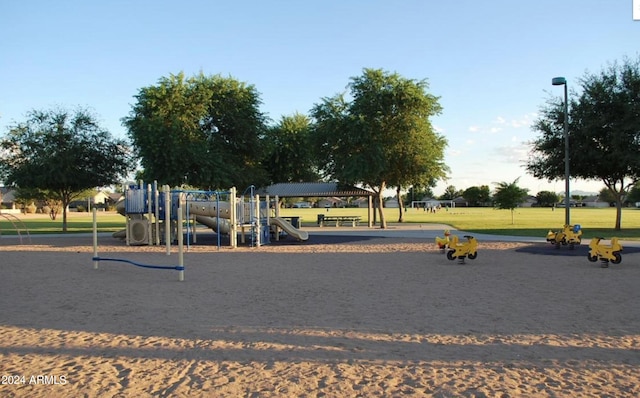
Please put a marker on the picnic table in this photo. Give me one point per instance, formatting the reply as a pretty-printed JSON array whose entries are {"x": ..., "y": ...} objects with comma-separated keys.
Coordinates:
[{"x": 338, "y": 220}]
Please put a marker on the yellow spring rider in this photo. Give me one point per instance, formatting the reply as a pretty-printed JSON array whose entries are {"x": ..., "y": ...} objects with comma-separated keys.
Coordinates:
[
  {"x": 569, "y": 235},
  {"x": 461, "y": 250},
  {"x": 604, "y": 252},
  {"x": 443, "y": 243}
]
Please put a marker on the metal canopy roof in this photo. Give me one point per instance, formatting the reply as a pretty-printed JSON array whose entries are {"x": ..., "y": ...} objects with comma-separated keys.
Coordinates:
[{"x": 313, "y": 189}]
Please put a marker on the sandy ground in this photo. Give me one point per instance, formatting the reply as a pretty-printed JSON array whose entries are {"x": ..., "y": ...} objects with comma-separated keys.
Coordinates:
[{"x": 353, "y": 318}]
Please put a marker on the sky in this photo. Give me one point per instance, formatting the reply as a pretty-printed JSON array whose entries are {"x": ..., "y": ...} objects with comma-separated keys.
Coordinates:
[{"x": 490, "y": 62}]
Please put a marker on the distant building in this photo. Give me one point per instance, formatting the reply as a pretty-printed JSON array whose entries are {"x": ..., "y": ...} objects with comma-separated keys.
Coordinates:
[
  {"x": 7, "y": 198},
  {"x": 332, "y": 202},
  {"x": 100, "y": 200},
  {"x": 529, "y": 201},
  {"x": 460, "y": 202},
  {"x": 391, "y": 203},
  {"x": 594, "y": 201}
]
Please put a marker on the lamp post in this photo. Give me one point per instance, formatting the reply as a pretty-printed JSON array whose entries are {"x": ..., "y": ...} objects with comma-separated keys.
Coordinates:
[{"x": 561, "y": 81}]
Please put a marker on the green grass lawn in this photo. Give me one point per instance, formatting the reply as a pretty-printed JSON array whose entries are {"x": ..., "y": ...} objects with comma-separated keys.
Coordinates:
[
  {"x": 526, "y": 221},
  {"x": 76, "y": 223}
]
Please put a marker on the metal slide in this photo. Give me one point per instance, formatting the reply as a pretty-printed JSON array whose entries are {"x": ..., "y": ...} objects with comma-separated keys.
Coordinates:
[{"x": 288, "y": 228}]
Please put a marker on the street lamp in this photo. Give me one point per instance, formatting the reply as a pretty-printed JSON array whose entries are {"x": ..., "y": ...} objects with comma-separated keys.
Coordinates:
[{"x": 561, "y": 81}]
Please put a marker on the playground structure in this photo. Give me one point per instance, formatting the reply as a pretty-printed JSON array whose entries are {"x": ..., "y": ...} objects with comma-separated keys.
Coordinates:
[
  {"x": 443, "y": 243},
  {"x": 569, "y": 235},
  {"x": 180, "y": 267},
  {"x": 17, "y": 224},
  {"x": 151, "y": 215},
  {"x": 461, "y": 250},
  {"x": 606, "y": 253}
]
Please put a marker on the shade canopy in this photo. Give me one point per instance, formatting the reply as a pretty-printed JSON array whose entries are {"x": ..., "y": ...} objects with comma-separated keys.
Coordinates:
[{"x": 313, "y": 189}]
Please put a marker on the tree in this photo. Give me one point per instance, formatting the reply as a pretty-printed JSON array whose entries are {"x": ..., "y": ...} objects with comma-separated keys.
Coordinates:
[
  {"x": 605, "y": 195},
  {"x": 509, "y": 196},
  {"x": 382, "y": 137},
  {"x": 205, "y": 131},
  {"x": 450, "y": 193},
  {"x": 23, "y": 197},
  {"x": 547, "y": 198},
  {"x": 63, "y": 152},
  {"x": 634, "y": 194},
  {"x": 289, "y": 152},
  {"x": 418, "y": 192},
  {"x": 48, "y": 200},
  {"x": 604, "y": 132},
  {"x": 477, "y": 196}
]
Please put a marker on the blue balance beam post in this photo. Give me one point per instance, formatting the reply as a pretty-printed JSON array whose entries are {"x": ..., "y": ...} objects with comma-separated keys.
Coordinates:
[{"x": 180, "y": 267}]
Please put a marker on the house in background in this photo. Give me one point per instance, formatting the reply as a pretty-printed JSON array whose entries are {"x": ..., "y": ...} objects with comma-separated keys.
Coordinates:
[
  {"x": 529, "y": 201},
  {"x": 360, "y": 202},
  {"x": 101, "y": 200},
  {"x": 7, "y": 200},
  {"x": 460, "y": 202},
  {"x": 594, "y": 201},
  {"x": 332, "y": 202},
  {"x": 115, "y": 197},
  {"x": 392, "y": 203}
]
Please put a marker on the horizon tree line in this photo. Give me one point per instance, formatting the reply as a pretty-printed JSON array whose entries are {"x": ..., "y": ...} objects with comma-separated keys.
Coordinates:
[{"x": 208, "y": 131}]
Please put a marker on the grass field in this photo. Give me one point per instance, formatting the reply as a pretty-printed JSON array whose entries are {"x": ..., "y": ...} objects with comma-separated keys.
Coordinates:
[
  {"x": 76, "y": 223},
  {"x": 526, "y": 222}
]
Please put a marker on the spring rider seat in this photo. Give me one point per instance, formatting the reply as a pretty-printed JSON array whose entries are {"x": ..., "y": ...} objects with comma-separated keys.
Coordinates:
[
  {"x": 443, "y": 243},
  {"x": 605, "y": 252},
  {"x": 569, "y": 235},
  {"x": 461, "y": 250}
]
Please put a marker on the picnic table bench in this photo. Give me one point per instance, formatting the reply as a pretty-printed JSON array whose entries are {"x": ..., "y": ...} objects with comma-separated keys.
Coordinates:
[{"x": 338, "y": 220}]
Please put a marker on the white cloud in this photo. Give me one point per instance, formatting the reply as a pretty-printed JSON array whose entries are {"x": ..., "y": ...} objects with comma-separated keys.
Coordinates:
[
  {"x": 500, "y": 124},
  {"x": 525, "y": 121},
  {"x": 519, "y": 123},
  {"x": 517, "y": 153}
]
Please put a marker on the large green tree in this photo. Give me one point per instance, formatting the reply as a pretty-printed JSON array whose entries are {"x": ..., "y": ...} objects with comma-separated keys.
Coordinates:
[
  {"x": 64, "y": 153},
  {"x": 205, "y": 131},
  {"x": 509, "y": 195},
  {"x": 605, "y": 195},
  {"x": 418, "y": 193},
  {"x": 547, "y": 198},
  {"x": 477, "y": 196},
  {"x": 450, "y": 193},
  {"x": 289, "y": 155},
  {"x": 604, "y": 132},
  {"x": 382, "y": 137},
  {"x": 634, "y": 195}
]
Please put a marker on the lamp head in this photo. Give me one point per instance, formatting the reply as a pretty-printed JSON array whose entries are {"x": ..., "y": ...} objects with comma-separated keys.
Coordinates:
[{"x": 558, "y": 81}]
